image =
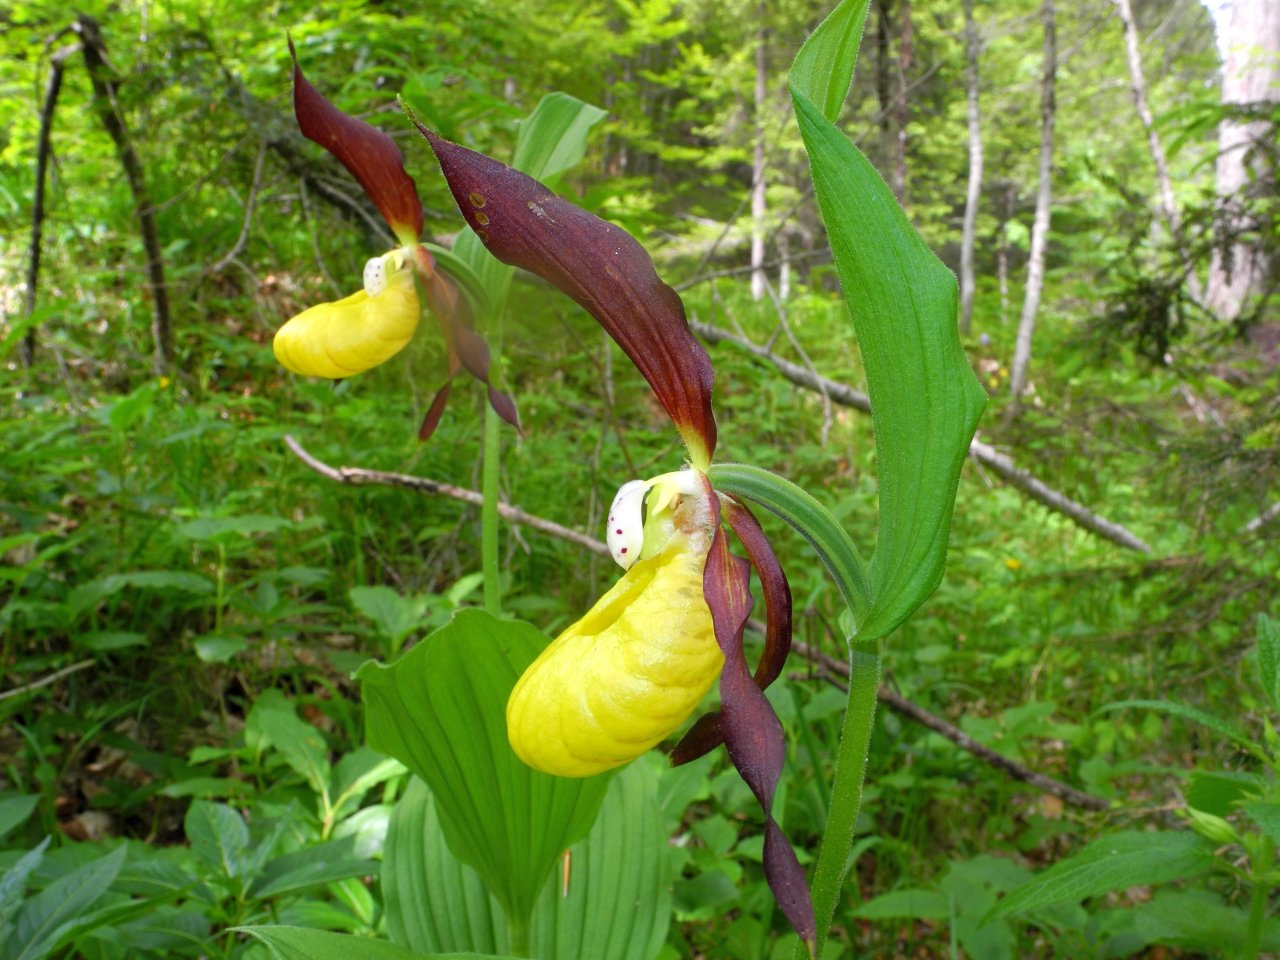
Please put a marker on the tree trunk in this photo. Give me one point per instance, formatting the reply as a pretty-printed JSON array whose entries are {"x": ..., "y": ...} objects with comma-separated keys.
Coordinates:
[
  {"x": 44, "y": 149},
  {"x": 884, "y": 96},
  {"x": 757, "y": 165},
  {"x": 1040, "y": 226},
  {"x": 1002, "y": 250},
  {"x": 972, "y": 48},
  {"x": 902, "y": 110},
  {"x": 1168, "y": 204},
  {"x": 105, "y": 102},
  {"x": 1249, "y": 36}
]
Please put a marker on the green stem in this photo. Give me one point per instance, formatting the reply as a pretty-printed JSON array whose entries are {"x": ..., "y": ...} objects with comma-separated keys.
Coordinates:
[
  {"x": 489, "y": 514},
  {"x": 846, "y": 789},
  {"x": 220, "y": 596},
  {"x": 1258, "y": 902}
]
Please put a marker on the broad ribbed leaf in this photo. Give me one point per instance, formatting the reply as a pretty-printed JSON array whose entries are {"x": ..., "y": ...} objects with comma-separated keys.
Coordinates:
[
  {"x": 1196, "y": 919},
  {"x": 602, "y": 267},
  {"x": 925, "y": 399},
  {"x": 302, "y": 943},
  {"x": 441, "y": 711},
  {"x": 436, "y": 903},
  {"x": 433, "y": 901},
  {"x": 1113, "y": 863},
  {"x": 372, "y": 157}
]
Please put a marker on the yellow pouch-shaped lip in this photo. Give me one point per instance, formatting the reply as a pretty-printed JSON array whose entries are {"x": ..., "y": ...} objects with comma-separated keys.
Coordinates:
[
  {"x": 336, "y": 340},
  {"x": 623, "y": 677}
]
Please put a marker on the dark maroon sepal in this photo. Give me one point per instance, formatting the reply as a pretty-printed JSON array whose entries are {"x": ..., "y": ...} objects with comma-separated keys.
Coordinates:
[
  {"x": 776, "y": 589},
  {"x": 435, "y": 411},
  {"x": 752, "y": 731},
  {"x": 372, "y": 157},
  {"x": 453, "y": 315},
  {"x": 705, "y": 735},
  {"x": 599, "y": 265}
]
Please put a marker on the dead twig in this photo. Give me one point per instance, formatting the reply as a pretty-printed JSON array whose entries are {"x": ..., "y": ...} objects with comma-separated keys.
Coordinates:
[
  {"x": 901, "y": 705},
  {"x": 249, "y": 204},
  {"x": 47, "y": 681},
  {"x": 359, "y": 476},
  {"x": 983, "y": 453}
]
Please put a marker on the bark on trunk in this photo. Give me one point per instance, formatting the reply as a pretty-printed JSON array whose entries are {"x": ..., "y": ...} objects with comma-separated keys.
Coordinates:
[
  {"x": 972, "y": 47},
  {"x": 1002, "y": 250},
  {"x": 44, "y": 149},
  {"x": 108, "y": 108},
  {"x": 1168, "y": 205},
  {"x": 1040, "y": 226},
  {"x": 884, "y": 96},
  {"x": 902, "y": 110},
  {"x": 1249, "y": 35},
  {"x": 757, "y": 165}
]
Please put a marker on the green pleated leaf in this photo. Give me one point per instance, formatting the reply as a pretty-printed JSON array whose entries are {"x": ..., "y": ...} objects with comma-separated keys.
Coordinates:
[
  {"x": 301, "y": 943},
  {"x": 1112, "y": 863},
  {"x": 620, "y": 870},
  {"x": 619, "y": 901},
  {"x": 925, "y": 399},
  {"x": 441, "y": 711},
  {"x": 553, "y": 139},
  {"x": 433, "y": 902}
]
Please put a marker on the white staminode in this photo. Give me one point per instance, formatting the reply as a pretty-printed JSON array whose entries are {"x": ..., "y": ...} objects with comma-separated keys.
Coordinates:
[
  {"x": 625, "y": 534},
  {"x": 378, "y": 269},
  {"x": 375, "y": 276}
]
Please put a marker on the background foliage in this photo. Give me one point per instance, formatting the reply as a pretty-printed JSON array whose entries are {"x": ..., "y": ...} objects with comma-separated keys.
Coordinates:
[{"x": 208, "y": 596}]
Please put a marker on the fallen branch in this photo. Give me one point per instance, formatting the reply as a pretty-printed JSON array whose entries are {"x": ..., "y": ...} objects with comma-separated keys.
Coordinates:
[
  {"x": 1262, "y": 519},
  {"x": 983, "y": 453},
  {"x": 46, "y": 681},
  {"x": 249, "y": 204},
  {"x": 901, "y": 705},
  {"x": 359, "y": 476}
]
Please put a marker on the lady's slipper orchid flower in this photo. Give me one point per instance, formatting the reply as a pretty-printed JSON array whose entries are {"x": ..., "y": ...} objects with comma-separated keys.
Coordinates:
[
  {"x": 629, "y": 673},
  {"x": 337, "y": 340},
  {"x": 625, "y": 676}
]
